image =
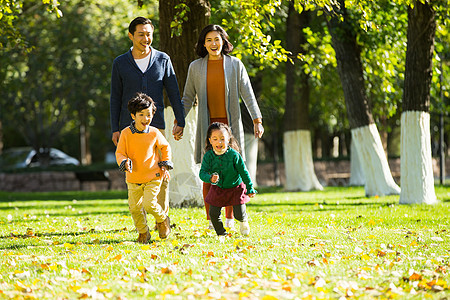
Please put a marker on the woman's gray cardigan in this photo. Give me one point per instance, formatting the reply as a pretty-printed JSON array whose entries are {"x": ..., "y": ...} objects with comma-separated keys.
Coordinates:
[{"x": 237, "y": 86}]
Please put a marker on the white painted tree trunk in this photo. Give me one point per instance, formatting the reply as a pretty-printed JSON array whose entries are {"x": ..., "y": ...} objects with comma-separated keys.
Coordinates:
[
  {"x": 185, "y": 186},
  {"x": 374, "y": 162},
  {"x": 251, "y": 155},
  {"x": 416, "y": 167},
  {"x": 298, "y": 161},
  {"x": 356, "y": 172}
]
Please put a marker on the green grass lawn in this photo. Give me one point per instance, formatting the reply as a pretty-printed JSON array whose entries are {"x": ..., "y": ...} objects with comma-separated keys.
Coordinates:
[{"x": 332, "y": 244}]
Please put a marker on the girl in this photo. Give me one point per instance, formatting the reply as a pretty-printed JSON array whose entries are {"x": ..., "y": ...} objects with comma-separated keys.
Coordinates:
[
  {"x": 224, "y": 168},
  {"x": 218, "y": 81}
]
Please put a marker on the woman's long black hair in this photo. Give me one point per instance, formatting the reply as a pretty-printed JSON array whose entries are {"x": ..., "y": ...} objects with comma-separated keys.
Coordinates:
[{"x": 200, "y": 47}]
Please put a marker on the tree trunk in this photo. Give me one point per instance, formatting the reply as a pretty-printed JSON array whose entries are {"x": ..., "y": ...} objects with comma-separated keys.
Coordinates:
[
  {"x": 1, "y": 137},
  {"x": 297, "y": 144},
  {"x": 356, "y": 173},
  {"x": 364, "y": 132},
  {"x": 417, "y": 178},
  {"x": 181, "y": 49},
  {"x": 185, "y": 188},
  {"x": 85, "y": 151}
]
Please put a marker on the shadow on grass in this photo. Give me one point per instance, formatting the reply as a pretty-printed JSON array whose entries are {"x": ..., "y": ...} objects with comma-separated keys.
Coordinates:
[
  {"x": 100, "y": 242},
  {"x": 69, "y": 207},
  {"x": 74, "y": 234},
  {"x": 65, "y": 234},
  {"x": 65, "y": 196},
  {"x": 303, "y": 207}
]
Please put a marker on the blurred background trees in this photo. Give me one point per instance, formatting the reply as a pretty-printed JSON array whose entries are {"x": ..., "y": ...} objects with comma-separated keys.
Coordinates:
[{"x": 55, "y": 64}]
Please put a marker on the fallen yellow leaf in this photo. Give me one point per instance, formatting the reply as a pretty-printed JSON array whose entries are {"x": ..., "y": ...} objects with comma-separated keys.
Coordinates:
[
  {"x": 68, "y": 245},
  {"x": 118, "y": 257},
  {"x": 365, "y": 257}
]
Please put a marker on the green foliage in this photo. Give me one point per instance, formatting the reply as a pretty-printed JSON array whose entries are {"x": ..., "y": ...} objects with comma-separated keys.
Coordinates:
[
  {"x": 330, "y": 244},
  {"x": 252, "y": 20},
  {"x": 182, "y": 9},
  {"x": 10, "y": 10},
  {"x": 65, "y": 75}
]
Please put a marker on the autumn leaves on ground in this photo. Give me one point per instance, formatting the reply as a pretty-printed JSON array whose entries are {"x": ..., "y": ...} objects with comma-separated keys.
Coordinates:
[{"x": 333, "y": 244}]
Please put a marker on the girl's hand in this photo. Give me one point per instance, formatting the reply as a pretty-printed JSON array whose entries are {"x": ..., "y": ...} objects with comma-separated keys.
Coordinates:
[
  {"x": 214, "y": 178},
  {"x": 166, "y": 174},
  {"x": 251, "y": 195}
]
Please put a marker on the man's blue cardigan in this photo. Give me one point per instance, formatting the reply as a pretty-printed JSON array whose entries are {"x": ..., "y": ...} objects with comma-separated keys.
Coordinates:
[{"x": 127, "y": 79}]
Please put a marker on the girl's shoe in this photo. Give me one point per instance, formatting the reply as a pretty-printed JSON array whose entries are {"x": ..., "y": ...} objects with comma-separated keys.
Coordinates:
[
  {"x": 245, "y": 228},
  {"x": 210, "y": 226},
  {"x": 229, "y": 223}
]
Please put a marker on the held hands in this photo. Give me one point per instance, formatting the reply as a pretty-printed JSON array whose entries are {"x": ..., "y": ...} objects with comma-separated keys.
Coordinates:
[{"x": 177, "y": 132}]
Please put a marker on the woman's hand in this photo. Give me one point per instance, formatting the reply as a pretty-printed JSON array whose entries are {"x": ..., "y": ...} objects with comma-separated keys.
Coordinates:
[{"x": 259, "y": 130}]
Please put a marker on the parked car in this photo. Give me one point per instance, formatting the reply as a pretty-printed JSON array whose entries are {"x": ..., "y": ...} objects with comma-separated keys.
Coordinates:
[{"x": 25, "y": 157}]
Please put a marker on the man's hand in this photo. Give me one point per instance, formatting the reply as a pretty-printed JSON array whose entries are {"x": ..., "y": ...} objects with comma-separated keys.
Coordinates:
[
  {"x": 177, "y": 132},
  {"x": 115, "y": 137}
]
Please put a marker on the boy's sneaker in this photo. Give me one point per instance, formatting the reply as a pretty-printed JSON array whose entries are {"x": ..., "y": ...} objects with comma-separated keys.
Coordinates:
[
  {"x": 164, "y": 228},
  {"x": 229, "y": 223},
  {"x": 144, "y": 238},
  {"x": 245, "y": 228}
]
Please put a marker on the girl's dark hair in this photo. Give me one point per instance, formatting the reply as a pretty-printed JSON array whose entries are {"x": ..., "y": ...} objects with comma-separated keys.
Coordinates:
[
  {"x": 140, "y": 102},
  {"x": 218, "y": 126},
  {"x": 137, "y": 21},
  {"x": 200, "y": 47}
]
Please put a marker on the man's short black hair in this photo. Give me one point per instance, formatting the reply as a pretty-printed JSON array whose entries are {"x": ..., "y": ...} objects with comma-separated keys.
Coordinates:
[{"x": 137, "y": 21}]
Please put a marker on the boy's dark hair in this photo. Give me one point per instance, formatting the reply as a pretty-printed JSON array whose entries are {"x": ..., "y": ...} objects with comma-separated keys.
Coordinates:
[
  {"x": 140, "y": 102},
  {"x": 200, "y": 47},
  {"x": 137, "y": 21},
  {"x": 218, "y": 126}
]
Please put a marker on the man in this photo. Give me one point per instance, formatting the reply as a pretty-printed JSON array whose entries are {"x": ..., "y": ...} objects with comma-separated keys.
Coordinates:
[{"x": 149, "y": 71}]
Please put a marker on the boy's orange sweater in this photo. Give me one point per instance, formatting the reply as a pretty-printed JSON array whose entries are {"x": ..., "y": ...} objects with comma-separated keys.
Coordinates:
[{"x": 142, "y": 149}]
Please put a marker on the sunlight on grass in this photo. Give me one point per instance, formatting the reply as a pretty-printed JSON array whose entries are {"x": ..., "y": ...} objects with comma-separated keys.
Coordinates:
[{"x": 334, "y": 244}]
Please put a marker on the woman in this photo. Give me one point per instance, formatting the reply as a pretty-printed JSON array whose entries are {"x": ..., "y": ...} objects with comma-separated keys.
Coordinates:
[{"x": 219, "y": 80}]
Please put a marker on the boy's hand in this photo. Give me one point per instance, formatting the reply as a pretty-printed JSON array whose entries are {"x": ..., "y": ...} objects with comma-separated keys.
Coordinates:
[
  {"x": 251, "y": 195},
  {"x": 129, "y": 165},
  {"x": 166, "y": 174}
]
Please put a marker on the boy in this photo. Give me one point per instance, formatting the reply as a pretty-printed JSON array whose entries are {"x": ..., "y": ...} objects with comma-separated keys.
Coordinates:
[{"x": 137, "y": 155}]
